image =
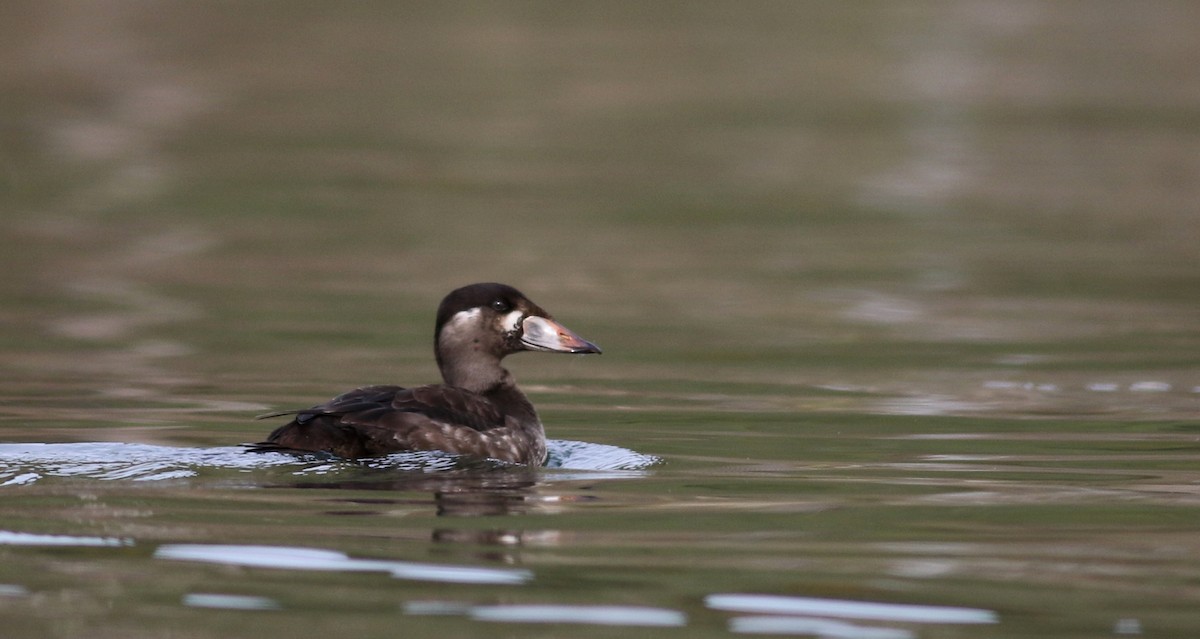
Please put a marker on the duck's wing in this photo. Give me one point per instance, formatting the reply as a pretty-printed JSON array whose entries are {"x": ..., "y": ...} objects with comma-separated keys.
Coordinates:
[
  {"x": 450, "y": 405},
  {"x": 377, "y": 420}
]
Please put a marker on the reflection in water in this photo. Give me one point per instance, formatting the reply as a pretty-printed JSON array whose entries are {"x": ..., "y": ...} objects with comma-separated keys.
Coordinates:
[
  {"x": 481, "y": 489},
  {"x": 460, "y": 487},
  {"x": 552, "y": 613},
  {"x": 10, "y": 538},
  {"x": 13, "y": 590},
  {"x": 484, "y": 501},
  {"x": 846, "y": 609},
  {"x": 813, "y": 626},
  {"x": 291, "y": 558},
  {"x": 498, "y": 537},
  {"x": 229, "y": 602},
  {"x": 594, "y": 615}
]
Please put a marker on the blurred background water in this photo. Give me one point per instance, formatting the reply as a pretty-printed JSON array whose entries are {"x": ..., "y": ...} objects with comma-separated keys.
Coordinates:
[{"x": 902, "y": 296}]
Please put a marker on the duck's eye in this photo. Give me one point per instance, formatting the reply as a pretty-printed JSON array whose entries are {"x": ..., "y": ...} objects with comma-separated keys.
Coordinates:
[{"x": 501, "y": 306}]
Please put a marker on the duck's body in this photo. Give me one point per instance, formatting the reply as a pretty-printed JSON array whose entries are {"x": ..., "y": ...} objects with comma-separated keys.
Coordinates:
[{"x": 478, "y": 411}]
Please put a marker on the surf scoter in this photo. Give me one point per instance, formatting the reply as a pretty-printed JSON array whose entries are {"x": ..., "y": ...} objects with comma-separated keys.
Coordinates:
[{"x": 478, "y": 411}]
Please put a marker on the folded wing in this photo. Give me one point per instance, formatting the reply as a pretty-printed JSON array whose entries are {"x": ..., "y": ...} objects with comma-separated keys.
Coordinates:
[{"x": 379, "y": 420}]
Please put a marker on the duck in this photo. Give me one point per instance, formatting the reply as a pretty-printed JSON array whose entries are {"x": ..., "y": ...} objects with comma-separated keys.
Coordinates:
[{"x": 477, "y": 411}]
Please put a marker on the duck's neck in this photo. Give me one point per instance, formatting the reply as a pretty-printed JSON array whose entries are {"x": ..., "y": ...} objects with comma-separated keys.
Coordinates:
[
  {"x": 484, "y": 375},
  {"x": 475, "y": 375},
  {"x": 465, "y": 365}
]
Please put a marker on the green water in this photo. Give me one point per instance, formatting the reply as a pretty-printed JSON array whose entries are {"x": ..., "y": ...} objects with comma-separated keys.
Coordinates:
[{"x": 903, "y": 295}]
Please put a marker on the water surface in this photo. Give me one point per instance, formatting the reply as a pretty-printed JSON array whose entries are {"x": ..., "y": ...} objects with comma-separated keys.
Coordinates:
[{"x": 898, "y": 304}]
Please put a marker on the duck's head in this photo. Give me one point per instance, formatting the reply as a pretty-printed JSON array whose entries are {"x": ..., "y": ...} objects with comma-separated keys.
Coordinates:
[{"x": 483, "y": 323}]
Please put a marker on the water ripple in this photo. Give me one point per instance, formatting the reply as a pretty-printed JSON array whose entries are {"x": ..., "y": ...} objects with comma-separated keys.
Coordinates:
[
  {"x": 594, "y": 615},
  {"x": 13, "y": 538},
  {"x": 291, "y": 558},
  {"x": 229, "y": 602},
  {"x": 847, "y": 609},
  {"x": 24, "y": 464}
]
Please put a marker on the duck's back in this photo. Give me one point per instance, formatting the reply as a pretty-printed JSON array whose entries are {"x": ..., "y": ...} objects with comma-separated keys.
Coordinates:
[{"x": 379, "y": 420}]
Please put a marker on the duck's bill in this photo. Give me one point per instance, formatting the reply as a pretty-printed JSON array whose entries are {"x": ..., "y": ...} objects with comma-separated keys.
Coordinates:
[{"x": 542, "y": 334}]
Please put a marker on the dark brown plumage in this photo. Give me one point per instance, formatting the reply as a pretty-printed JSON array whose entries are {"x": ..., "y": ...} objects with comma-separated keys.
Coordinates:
[{"x": 478, "y": 411}]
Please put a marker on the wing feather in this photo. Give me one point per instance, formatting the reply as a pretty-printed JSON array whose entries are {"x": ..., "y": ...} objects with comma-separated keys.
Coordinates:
[{"x": 377, "y": 420}]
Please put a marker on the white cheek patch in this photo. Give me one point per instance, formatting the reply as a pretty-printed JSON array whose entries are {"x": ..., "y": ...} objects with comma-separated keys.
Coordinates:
[
  {"x": 460, "y": 325},
  {"x": 512, "y": 321},
  {"x": 462, "y": 319}
]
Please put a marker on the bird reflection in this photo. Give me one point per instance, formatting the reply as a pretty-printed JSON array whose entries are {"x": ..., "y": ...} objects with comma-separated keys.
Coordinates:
[{"x": 476, "y": 490}]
